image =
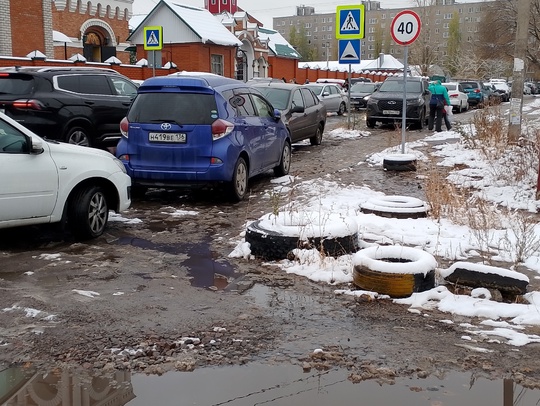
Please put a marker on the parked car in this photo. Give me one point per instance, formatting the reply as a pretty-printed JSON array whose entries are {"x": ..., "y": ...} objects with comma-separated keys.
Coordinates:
[
  {"x": 332, "y": 96},
  {"x": 503, "y": 89},
  {"x": 356, "y": 80},
  {"x": 301, "y": 110},
  {"x": 493, "y": 96},
  {"x": 475, "y": 92},
  {"x": 386, "y": 104},
  {"x": 46, "y": 182},
  {"x": 78, "y": 105},
  {"x": 360, "y": 93},
  {"x": 202, "y": 130},
  {"x": 340, "y": 82},
  {"x": 458, "y": 98}
]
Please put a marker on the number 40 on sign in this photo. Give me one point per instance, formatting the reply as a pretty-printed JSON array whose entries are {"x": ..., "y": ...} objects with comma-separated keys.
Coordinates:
[{"x": 405, "y": 27}]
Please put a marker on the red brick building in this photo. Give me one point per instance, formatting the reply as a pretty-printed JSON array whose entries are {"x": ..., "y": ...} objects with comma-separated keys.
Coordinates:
[{"x": 97, "y": 29}]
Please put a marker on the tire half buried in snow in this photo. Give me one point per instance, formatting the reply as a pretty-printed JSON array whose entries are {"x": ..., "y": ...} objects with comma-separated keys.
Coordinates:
[
  {"x": 395, "y": 271},
  {"x": 396, "y": 206},
  {"x": 273, "y": 237}
]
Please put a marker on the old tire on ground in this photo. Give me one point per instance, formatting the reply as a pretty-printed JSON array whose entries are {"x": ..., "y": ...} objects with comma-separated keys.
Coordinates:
[
  {"x": 317, "y": 138},
  {"x": 399, "y": 162},
  {"x": 88, "y": 213},
  {"x": 394, "y": 270},
  {"x": 474, "y": 275},
  {"x": 274, "y": 237},
  {"x": 285, "y": 163},
  {"x": 395, "y": 206}
]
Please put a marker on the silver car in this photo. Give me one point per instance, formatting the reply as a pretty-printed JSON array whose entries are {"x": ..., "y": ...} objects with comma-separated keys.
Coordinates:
[{"x": 331, "y": 95}]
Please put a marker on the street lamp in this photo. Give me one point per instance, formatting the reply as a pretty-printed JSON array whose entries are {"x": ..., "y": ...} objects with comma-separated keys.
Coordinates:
[{"x": 327, "y": 46}]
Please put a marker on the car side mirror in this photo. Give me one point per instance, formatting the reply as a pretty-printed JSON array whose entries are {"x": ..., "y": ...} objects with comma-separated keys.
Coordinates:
[
  {"x": 297, "y": 109},
  {"x": 36, "y": 146},
  {"x": 277, "y": 114},
  {"x": 326, "y": 94}
]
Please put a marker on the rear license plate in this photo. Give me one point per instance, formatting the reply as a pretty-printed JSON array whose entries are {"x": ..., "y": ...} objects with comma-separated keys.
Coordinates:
[
  {"x": 167, "y": 137},
  {"x": 391, "y": 112}
]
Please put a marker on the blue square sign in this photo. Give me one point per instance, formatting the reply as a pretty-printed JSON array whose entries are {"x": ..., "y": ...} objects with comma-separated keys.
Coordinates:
[{"x": 349, "y": 50}]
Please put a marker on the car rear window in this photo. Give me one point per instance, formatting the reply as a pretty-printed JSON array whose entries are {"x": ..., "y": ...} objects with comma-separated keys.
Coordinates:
[
  {"x": 183, "y": 108},
  {"x": 450, "y": 87},
  {"x": 397, "y": 86},
  {"x": 469, "y": 85},
  {"x": 20, "y": 84}
]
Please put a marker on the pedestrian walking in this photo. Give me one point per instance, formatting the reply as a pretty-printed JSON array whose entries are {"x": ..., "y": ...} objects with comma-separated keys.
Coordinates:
[{"x": 439, "y": 97}]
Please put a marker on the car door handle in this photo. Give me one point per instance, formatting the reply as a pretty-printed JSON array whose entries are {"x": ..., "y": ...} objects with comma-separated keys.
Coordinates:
[
  {"x": 126, "y": 103},
  {"x": 90, "y": 103}
]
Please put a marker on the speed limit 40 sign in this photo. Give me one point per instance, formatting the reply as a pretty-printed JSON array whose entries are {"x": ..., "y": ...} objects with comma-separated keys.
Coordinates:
[{"x": 405, "y": 27}]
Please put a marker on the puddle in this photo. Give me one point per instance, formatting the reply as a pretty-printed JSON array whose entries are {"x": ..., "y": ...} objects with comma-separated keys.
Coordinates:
[
  {"x": 205, "y": 272},
  {"x": 254, "y": 384}
]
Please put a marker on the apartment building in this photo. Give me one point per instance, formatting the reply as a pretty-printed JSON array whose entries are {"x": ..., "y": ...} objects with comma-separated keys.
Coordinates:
[{"x": 436, "y": 18}]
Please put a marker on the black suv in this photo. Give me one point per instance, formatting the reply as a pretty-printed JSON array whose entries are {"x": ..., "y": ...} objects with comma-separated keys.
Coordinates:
[
  {"x": 385, "y": 105},
  {"x": 79, "y": 105}
]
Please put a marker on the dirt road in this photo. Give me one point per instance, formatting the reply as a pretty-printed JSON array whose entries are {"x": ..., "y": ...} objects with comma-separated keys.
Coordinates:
[{"x": 159, "y": 292}]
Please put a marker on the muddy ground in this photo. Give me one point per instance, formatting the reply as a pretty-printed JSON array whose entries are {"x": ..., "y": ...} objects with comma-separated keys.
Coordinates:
[{"x": 170, "y": 298}]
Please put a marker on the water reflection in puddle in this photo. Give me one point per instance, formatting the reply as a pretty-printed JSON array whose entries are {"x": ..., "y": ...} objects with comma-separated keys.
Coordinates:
[
  {"x": 253, "y": 384},
  {"x": 202, "y": 268}
]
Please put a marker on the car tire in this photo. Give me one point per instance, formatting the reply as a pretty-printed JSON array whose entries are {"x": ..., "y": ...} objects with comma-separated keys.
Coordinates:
[
  {"x": 79, "y": 136},
  {"x": 342, "y": 109},
  {"x": 275, "y": 242},
  {"x": 394, "y": 271},
  {"x": 395, "y": 206},
  {"x": 399, "y": 162},
  {"x": 285, "y": 163},
  {"x": 370, "y": 123},
  {"x": 239, "y": 185},
  {"x": 317, "y": 138},
  {"x": 88, "y": 213}
]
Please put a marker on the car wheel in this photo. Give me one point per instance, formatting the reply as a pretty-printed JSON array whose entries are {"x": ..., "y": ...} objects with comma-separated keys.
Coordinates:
[
  {"x": 317, "y": 138},
  {"x": 370, "y": 123},
  {"x": 285, "y": 164},
  {"x": 88, "y": 213},
  {"x": 342, "y": 109},
  {"x": 239, "y": 184},
  {"x": 78, "y": 136}
]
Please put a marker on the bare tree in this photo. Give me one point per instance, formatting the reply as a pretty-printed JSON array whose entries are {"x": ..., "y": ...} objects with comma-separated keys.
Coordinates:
[{"x": 424, "y": 52}]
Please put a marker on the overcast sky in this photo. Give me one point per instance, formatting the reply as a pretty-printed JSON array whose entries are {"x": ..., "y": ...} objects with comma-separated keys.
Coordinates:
[{"x": 264, "y": 11}]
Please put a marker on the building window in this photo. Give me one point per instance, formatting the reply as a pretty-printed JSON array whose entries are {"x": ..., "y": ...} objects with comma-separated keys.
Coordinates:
[
  {"x": 446, "y": 25},
  {"x": 329, "y": 19},
  {"x": 213, "y": 2},
  {"x": 437, "y": 21},
  {"x": 371, "y": 30},
  {"x": 470, "y": 10},
  {"x": 448, "y": 16},
  {"x": 460, "y": 10},
  {"x": 307, "y": 25},
  {"x": 445, "y": 35},
  {"x": 371, "y": 47},
  {"x": 437, "y": 30},
  {"x": 383, "y": 17},
  {"x": 372, "y": 21},
  {"x": 223, "y": 1},
  {"x": 438, "y": 12},
  {"x": 308, "y": 33},
  {"x": 217, "y": 63}
]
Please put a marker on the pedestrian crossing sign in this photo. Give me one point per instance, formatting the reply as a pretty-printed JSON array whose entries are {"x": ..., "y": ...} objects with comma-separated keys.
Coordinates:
[
  {"x": 153, "y": 38},
  {"x": 350, "y": 22}
]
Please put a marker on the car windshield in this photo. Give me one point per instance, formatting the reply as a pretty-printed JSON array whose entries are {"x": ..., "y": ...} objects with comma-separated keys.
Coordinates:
[
  {"x": 363, "y": 87},
  {"x": 397, "y": 86},
  {"x": 279, "y": 98},
  {"x": 181, "y": 108}
]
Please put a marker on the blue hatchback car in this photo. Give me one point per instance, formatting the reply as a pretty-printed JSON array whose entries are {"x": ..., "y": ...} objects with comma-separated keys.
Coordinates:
[{"x": 202, "y": 130}]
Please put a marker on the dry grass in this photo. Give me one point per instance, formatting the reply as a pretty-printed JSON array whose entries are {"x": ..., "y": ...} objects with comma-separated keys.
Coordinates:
[{"x": 510, "y": 164}]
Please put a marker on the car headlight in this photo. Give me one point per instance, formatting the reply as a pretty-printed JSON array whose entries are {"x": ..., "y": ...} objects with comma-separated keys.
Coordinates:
[
  {"x": 120, "y": 164},
  {"x": 366, "y": 98},
  {"x": 372, "y": 101}
]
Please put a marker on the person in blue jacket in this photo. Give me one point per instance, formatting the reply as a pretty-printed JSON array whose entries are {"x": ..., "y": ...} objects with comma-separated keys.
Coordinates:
[{"x": 439, "y": 97}]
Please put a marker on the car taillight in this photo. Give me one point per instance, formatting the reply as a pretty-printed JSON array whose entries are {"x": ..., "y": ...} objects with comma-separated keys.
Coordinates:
[
  {"x": 454, "y": 95},
  {"x": 476, "y": 90},
  {"x": 28, "y": 104},
  {"x": 221, "y": 128},
  {"x": 124, "y": 126}
]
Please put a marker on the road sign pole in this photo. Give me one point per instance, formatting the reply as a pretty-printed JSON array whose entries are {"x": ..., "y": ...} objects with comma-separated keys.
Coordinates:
[
  {"x": 404, "y": 107},
  {"x": 349, "y": 98},
  {"x": 153, "y": 63}
]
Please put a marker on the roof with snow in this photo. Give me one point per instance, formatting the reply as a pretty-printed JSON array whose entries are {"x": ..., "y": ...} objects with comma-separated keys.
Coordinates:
[
  {"x": 277, "y": 44},
  {"x": 196, "y": 25},
  {"x": 382, "y": 63}
]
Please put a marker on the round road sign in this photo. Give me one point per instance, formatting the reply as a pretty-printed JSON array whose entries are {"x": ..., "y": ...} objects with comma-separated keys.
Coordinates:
[{"x": 405, "y": 27}]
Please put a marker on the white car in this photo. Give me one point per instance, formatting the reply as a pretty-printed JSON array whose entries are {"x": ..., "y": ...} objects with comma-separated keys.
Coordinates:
[
  {"x": 51, "y": 182},
  {"x": 332, "y": 96},
  {"x": 458, "y": 98}
]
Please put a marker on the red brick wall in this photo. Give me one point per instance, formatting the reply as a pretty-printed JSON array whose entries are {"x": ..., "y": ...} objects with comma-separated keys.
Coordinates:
[{"x": 27, "y": 27}]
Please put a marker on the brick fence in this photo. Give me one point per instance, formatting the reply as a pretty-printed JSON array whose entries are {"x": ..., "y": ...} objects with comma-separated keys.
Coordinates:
[{"x": 136, "y": 72}]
